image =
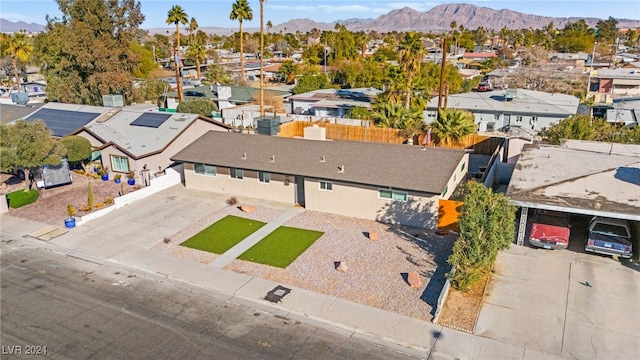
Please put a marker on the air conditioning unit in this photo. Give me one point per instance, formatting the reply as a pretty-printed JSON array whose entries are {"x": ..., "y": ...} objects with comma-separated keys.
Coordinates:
[
  {"x": 490, "y": 126},
  {"x": 112, "y": 101}
]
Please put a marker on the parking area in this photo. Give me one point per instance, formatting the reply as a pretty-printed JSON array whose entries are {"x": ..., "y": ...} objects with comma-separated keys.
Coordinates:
[{"x": 564, "y": 302}]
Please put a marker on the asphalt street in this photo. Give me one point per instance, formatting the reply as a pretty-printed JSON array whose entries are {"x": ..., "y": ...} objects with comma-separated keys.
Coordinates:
[{"x": 59, "y": 307}]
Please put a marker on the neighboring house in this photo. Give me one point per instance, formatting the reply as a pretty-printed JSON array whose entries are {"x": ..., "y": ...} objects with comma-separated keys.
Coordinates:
[
  {"x": 126, "y": 139},
  {"x": 580, "y": 177},
  {"x": 10, "y": 113},
  {"x": 385, "y": 182},
  {"x": 479, "y": 56},
  {"x": 607, "y": 84},
  {"x": 35, "y": 89},
  {"x": 226, "y": 96},
  {"x": 622, "y": 111},
  {"x": 500, "y": 110},
  {"x": 330, "y": 102}
]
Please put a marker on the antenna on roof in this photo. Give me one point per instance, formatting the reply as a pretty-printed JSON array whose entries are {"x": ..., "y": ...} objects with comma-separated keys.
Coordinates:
[
  {"x": 273, "y": 158},
  {"x": 322, "y": 158},
  {"x": 341, "y": 171},
  {"x": 244, "y": 156}
]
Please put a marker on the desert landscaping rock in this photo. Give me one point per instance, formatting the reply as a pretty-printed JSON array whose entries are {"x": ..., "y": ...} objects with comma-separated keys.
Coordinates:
[
  {"x": 414, "y": 280},
  {"x": 342, "y": 266}
]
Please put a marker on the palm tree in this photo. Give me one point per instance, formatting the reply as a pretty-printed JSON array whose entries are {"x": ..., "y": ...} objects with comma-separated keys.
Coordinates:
[
  {"x": 410, "y": 56},
  {"x": 269, "y": 25},
  {"x": 198, "y": 52},
  {"x": 193, "y": 26},
  {"x": 240, "y": 10},
  {"x": 177, "y": 16},
  {"x": 452, "y": 125},
  {"x": 19, "y": 48}
]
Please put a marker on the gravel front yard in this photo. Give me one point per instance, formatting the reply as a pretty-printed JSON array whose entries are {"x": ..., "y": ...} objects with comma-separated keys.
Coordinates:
[{"x": 376, "y": 268}]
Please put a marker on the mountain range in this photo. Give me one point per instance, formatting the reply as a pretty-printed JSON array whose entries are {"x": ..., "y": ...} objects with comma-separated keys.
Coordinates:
[{"x": 438, "y": 18}]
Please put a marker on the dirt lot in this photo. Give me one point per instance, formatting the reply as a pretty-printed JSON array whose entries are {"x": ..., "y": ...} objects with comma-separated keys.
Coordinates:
[{"x": 462, "y": 308}]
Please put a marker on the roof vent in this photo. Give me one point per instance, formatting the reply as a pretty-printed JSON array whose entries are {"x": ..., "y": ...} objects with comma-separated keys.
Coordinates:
[
  {"x": 244, "y": 156},
  {"x": 323, "y": 159},
  {"x": 273, "y": 158},
  {"x": 341, "y": 171},
  {"x": 108, "y": 115}
]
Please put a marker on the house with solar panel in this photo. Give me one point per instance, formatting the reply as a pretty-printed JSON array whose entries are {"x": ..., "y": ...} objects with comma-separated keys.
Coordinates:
[{"x": 129, "y": 138}]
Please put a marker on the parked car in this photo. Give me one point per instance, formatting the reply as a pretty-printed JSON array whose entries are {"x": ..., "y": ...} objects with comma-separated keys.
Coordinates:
[
  {"x": 484, "y": 86},
  {"x": 550, "y": 229},
  {"x": 610, "y": 237}
]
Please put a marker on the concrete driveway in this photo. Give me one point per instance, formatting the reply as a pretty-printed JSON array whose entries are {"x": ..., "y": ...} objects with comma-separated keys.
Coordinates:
[{"x": 576, "y": 305}]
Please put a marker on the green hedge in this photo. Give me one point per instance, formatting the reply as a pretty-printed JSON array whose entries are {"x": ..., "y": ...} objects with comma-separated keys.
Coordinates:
[{"x": 20, "y": 198}]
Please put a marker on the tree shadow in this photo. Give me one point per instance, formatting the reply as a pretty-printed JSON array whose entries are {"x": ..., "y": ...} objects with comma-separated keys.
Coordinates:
[
  {"x": 438, "y": 247},
  {"x": 628, "y": 174}
]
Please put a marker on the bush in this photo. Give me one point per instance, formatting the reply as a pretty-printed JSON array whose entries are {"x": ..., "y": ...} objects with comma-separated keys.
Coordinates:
[
  {"x": 203, "y": 107},
  {"x": 232, "y": 201},
  {"x": 21, "y": 198},
  {"x": 487, "y": 226}
]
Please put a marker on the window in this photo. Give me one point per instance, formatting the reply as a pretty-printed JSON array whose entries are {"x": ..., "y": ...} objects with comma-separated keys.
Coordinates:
[
  {"x": 264, "y": 177},
  {"x": 236, "y": 173},
  {"x": 446, "y": 189},
  {"x": 496, "y": 117},
  {"x": 119, "y": 163},
  {"x": 325, "y": 185},
  {"x": 519, "y": 119},
  {"x": 392, "y": 195},
  {"x": 462, "y": 167},
  {"x": 204, "y": 169}
]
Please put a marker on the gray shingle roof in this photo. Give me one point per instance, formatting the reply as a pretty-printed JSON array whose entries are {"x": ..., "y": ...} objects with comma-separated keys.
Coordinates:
[{"x": 386, "y": 165}]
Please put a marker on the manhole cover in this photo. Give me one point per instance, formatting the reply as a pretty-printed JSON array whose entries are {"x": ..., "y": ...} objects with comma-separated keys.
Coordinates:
[{"x": 276, "y": 295}]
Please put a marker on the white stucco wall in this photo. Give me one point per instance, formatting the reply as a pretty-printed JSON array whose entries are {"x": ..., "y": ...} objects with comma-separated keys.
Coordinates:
[
  {"x": 249, "y": 186},
  {"x": 420, "y": 209}
]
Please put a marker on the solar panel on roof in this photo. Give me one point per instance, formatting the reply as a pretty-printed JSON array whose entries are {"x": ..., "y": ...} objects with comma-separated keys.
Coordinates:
[
  {"x": 63, "y": 122},
  {"x": 152, "y": 120}
]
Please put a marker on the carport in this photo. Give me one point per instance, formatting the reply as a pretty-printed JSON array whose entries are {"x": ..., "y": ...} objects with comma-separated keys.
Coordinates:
[{"x": 578, "y": 177}]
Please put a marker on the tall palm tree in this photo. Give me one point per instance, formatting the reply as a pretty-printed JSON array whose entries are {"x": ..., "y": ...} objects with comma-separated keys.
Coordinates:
[
  {"x": 19, "y": 48},
  {"x": 193, "y": 27},
  {"x": 240, "y": 10},
  {"x": 410, "y": 56},
  {"x": 177, "y": 16},
  {"x": 452, "y": 125},
  {"x": 198, "y": 52}
]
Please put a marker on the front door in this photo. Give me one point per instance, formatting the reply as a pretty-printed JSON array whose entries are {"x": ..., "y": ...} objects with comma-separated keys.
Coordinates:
[{"x": 300, "y": 190}]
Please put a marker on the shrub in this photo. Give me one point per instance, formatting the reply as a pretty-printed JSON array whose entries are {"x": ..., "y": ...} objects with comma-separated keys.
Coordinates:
[
  {"x": 232, "y": 201},
  {"x": 71, "y": 210},
  {"x": 108, "y": 200},
  {"x": 85, "y": 208},
  {"x": 21, "y": 198},
  {"x": 99, "y": 205},
  {"x": 486, "y": 228}
]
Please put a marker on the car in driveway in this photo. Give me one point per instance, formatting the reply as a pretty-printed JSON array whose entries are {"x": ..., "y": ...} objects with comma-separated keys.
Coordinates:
[
  {"x": 550, "y": 229},
  {"x": 484, "y": 86},
  {"x": 610, "y": 237}
]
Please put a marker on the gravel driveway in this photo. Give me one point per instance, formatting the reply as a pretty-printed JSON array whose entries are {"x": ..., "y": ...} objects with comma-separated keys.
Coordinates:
[{"x": 377, "y": 269}]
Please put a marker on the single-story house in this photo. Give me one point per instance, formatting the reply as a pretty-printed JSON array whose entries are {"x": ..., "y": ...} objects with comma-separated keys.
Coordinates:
[
  {"x": 330, "y": 102},
  {"x": 579, "y": 177},
  {"x": 125, "y": 139},
  {"x": 501, "y": 110},
  {"x": 358, "y": 179},
  {"x": 227, "y": 96}
]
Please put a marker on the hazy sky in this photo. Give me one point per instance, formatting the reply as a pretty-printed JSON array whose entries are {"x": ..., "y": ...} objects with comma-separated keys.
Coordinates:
[{"x": 216, "y": 12}]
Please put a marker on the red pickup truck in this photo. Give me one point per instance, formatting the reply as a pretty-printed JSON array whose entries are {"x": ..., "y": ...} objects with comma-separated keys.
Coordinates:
[{"x": 550, "y": 229}]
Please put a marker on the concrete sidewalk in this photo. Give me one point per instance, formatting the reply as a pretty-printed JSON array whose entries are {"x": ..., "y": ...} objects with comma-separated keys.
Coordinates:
[{"x": 418, "y": 338}]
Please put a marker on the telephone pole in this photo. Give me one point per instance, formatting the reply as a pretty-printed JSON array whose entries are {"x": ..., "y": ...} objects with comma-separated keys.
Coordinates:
[{"x": 442, "y": 65}]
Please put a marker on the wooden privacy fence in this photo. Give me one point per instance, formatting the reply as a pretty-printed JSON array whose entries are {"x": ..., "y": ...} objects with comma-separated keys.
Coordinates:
[
  {"x": 448, "y": 214},
  {"x": 479, "y": 143},
  {"x": 343, "y": 132}
]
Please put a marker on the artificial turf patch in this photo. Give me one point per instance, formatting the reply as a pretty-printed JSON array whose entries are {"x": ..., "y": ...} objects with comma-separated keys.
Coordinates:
[
  {"x": 20, "y": 198},
  {"x": 223, "y": 234},
  {"x": 281, "y": 247}
]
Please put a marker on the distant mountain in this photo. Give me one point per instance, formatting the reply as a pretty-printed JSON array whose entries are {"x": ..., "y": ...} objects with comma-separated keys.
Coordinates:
[
  {"x": 471, "y": 17},
  {"x": 7, "y": 26},
  {"x": 438, "y": 18}
]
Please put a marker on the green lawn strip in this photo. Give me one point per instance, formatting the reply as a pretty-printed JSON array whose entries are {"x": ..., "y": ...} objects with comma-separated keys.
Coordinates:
[
  {"x": 20, "y": 198},
  {"x": 281, "y": 247},
  {"x": 223, "y": 234}
]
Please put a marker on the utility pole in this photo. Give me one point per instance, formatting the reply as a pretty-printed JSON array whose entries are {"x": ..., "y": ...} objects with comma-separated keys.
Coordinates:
[
  {"x": 593, "y": 57},
  {"x": 262, "y": 58},
  {"x": 442, "y": 65}
]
